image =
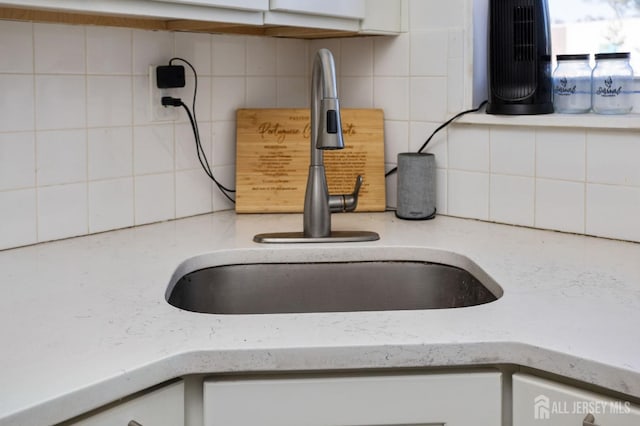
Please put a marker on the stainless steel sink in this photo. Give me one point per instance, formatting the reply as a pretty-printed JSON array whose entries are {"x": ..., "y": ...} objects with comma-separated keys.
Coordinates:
[{"x": 266, "y": 288}]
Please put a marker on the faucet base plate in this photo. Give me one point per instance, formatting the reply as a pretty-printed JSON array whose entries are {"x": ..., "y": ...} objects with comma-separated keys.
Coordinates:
[{"x": 298, "y": 237}]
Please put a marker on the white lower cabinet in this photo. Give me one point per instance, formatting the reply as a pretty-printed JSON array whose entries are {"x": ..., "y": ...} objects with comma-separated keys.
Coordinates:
[
  {"x": 540, "y": 402},
  {"x": 457, "y": 399},
  {"x": 160, "y": 407}
]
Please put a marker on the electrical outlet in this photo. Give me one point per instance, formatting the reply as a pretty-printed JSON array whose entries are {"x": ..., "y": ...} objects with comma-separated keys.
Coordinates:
[{"x": 158, "y": 112}]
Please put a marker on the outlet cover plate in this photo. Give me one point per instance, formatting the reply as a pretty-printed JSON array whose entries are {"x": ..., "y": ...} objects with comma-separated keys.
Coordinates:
[{"x": 158, "y": 112}]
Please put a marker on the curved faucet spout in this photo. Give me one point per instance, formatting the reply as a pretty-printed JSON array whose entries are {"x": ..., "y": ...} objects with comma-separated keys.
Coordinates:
[{"x": 326, "y": 133}]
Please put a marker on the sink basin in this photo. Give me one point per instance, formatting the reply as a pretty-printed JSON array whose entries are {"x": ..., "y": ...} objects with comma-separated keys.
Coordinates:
[{"x": 267, "y": 288}]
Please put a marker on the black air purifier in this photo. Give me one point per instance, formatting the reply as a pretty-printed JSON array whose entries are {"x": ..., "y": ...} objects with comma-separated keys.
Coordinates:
[{"x": 519, "y": 57}]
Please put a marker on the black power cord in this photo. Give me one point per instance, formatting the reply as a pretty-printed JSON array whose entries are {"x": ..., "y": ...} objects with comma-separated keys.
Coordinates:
[
  {"x": 442, "y": 126},
  {"x": 202, "y": 157}
]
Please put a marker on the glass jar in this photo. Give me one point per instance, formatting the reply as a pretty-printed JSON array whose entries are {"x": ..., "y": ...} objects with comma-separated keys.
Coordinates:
[
  {"x": 572, "y": 84},
  {"x": 612, "y": 84}
]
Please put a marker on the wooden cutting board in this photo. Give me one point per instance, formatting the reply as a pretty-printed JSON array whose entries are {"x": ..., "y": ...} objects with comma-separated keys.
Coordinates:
[{"x": 272, "y": 159}]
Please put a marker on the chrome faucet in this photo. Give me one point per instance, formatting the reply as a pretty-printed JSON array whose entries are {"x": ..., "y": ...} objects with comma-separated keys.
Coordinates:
[{"x": 326, "y": 133}]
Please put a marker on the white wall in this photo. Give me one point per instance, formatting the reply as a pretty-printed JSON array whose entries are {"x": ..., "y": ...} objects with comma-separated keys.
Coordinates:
[{"x": 78, "y": 154}]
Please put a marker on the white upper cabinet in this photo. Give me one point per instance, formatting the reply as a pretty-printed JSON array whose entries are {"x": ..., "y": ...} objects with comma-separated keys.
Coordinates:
[{"x": 292, "y": 18}]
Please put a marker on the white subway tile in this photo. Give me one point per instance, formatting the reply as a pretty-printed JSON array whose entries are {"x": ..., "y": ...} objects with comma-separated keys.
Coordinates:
[
  {"x": 613, "y": 158},
  {"x": 293, "y": 92},
  {"x": 154, "y": 198},
  {"x": 224, "y": 143},
  {"x": 110, "y": 152},
  {"x": 425, "y": 15},
  {"x": 109, "y": 50},
  {"x": 391, "y": 181},
  {"x": 469, "y": 148},
  {"x": 428, "y": 99},
  {"x": 468, "y": 194},
  {"x": 17, "y": 44},
  {"x": 109, "y": 101},
  {"x": 228, "y": 94},
  {"x": 110, "y": 204},
  {"x": 512, "y": 200},
  {"x": 356, "y": 92},
  {"x": 151, "y": 48},
  {"x": 62, "y": 211},
  {"x": 18, "y": 214},
  {"x": 226, "y": 175},
  {"x": 141, "y": 111},
  {"x": 229, "y": 55},
  {"x": 455, "y": 90},
  {"x": 16, "y": 103},
  {"x": 357, "y": 57},
  {"x": 441, "y": 191},
  {"x": 396, "y": 136},
  {"x": 391, "y": 56},
  {"x": 193, "y": 193},
  {"x": 153, "y": 150},
  {"x": 17, "y": 161},
  {"x": 513, "y": 151},
  {"x": 261, "y": 92},
  {"x": 429, "y": 53},
  {"x": 60, "y": 102},
  {"x": 560, "y": 205},
  {"x": 392, "y": 95},
  {"x": 419, "y": 133},
  {"x": 456, "y": 43},
  {"x": 613, "y": 212},
  {"x": 261, "y": 56},
  {"x": 195, "y": 48},
  {"x": 59, "y": 49},
  {"x": 61, "y": 157},
  {"x": 560, "y": 154},
  {"x": 186, "y": 153},
  {"x": 291, "y": 59}
]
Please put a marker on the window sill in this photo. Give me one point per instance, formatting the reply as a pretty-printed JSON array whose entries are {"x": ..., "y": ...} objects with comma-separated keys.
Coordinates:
[{"x": 590, "y": 120}]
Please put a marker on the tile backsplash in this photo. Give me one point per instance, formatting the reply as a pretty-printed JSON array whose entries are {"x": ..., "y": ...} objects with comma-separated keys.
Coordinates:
[{"x": 79, "y": 155}]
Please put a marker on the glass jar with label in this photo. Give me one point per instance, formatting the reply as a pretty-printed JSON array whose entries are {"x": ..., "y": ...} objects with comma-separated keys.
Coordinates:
[
  {"x": 612, "y": 84},
  {"x": 572, "y": 84}
]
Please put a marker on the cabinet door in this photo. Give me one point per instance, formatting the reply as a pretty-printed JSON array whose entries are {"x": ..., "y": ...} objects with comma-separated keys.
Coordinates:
[
  {"x": 438, "y": 399},
  {"x": 230, "y": 4},
  {"x": 162, "y": 407},
  {"x": 538, "y": 402},
  {"x": 338, "y": 8}
]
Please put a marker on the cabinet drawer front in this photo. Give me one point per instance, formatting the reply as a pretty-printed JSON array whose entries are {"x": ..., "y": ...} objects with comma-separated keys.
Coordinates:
[
  {"x": 231, "y": 4},
  {"x": 162, "y": 407},
  {"x": 338, "y": 8},
  {"x": 451, "y": 399},
  {"x": 539, "y": 402}
]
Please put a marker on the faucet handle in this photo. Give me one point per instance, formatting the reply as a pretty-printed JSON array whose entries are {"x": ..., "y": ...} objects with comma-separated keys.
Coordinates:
[{"x": 346, "y": 202}]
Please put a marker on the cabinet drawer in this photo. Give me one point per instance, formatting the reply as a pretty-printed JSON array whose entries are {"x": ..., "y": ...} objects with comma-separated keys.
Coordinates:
[
  {"x": 451, "y": 399},
  {"x": 538, "y": 402},
  {"x": 338, "y": 8},
  {"x": 161, "y": 407}
]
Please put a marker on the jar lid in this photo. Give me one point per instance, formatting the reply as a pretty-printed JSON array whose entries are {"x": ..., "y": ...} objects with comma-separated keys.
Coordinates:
[
  {"x": 577, "y": 57},
  {"x": 619, "y": 55}
]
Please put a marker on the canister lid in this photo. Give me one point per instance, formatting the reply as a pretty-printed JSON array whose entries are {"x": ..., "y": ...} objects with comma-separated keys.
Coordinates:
[
  {"x": 576, "y": 57},
  {"x": 619, "y": 55}
]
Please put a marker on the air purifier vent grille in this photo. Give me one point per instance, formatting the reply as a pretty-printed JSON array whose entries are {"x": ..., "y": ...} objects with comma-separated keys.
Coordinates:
[{"x": 520, "y": 57}]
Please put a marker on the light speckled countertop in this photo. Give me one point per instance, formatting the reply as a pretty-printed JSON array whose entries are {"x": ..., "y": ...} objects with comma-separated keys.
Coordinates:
[{"x": 84, "y": 321}]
